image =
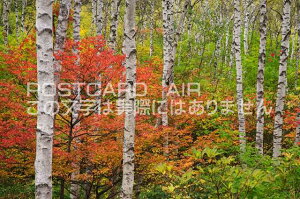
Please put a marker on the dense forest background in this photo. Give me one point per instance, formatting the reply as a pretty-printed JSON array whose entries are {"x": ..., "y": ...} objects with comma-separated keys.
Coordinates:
[{"x": 238, "y": 138}]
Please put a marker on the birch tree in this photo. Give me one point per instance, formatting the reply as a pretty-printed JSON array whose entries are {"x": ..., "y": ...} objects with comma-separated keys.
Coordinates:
[
  {"x": 152, "y": 12},
  {"x": 129, "y": 49},
  {"x": 246, "y": 25},
  {"x": 180, "y": 26},
  {"x": 282, "y": 80},
  {"x": 114, "y": 23},
  {"x": 62, "y": 25},
  {"x": 46, "y": 98},
  {"x": 260, "y": 77},
  {"x": 77, "y": 20},
  {"x": 168, "y": 54},
  {"x": 297, "y": 139},
  {"x": 99, "y": 17},
  {"x": 6, "y": 5},
  {"x": 24, "y": 5},
  {"x": 17, "y": 16},
  {"x": 298, "y": 44},
  {"x": 94, "y": 11},
  {"x": 75, "y": 188},
  {"x": 239, "y": 73}
]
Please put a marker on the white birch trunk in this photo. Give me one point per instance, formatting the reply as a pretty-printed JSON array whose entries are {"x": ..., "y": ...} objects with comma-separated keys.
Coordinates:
[
  {"x": 75, "y": 188},
  {"x": 297, "y": 138},
  {"x": 94, "y": 11},
  {"x": 298, "y": 44},
  {"x": 239, "y": 74},
  {"x": 180, "y": 25},
  {"x": 129, "y": 49},
  {"x": 17, "y": 17},
  {"x": 61, "y": 34},
  {"x": 24, "y": 4},
  {"x": 114, "y": 24},
  {"x": 152, "y": 4},
  {"x": 62, "y": 25},
  {"x": 246, "y": 25},
  {"x": 261, "y": 78},
  {"x": 99, "y": 17},
  {"x": 6, "y": 5},
  {"x": 77, "y": 19},
  {"x": 292, "y": 49},
  {"x": 232, "y": 54},
  {"x": 282, "y": 81},
  {"x": 46, "y": 98},
  {"x": 168, "y": 53},
  {"x": 226, "y": 44}
]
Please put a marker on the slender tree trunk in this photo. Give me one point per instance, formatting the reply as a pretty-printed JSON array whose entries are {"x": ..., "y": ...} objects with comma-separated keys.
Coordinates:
[
  {"x": 62, "y": 25},
  {"x": 61, "y": 34},
  {"x": 180, "y": 26},
  {"x": 94, "y": 11},
  {"x": 239, "y": 74},
  {"x": 260, "y": 78},
  {"x": 6, "y": 5},
  {"x": 114, "y": 24},
  {"x": 297, "y": 139},
  {"x": 105, "y": 9},
  {"x": 152, "y": 4},
  {"x": 282, "y": 81},
  {"x": 99, "y": 17},
  {"x": 24, "y": 4},
  {"x": 168, "y": 53},
  {"x": 17, "y": 17},
  {"x": 129, "y": 49},
  {"x": 77, "y": 19},
  {"x": 246, "y": 25},
  {"x": 226, "y": 45},
  {"x": 292, "y": 49},
  {"x": 46, "y": 96},
  {"x": 298, "y": 44},
  {"x": 62, "y": 189},
  {"x": 232, "y": 54},
  {"x": 75, "y": 188}
]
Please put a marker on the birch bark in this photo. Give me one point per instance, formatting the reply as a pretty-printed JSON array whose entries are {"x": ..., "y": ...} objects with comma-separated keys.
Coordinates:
[
  {"x": 94, "y": 11},
  {"x": 75, "y": 188},
  {"x": 17, "y": 17},
  {"x": 152, "y": 4},
  {"x": 297, "y": 139},
  {"x": 298, "y": 44},
  {"x": 114, "y": 23},
  {"x": 62, "y": 25},
  {"x": 24, "y": 4},
  {"x": 77, "y": 19},
  {"x": 46, "y": 98},
  {"x": 99, "y": 17},
  {"x": 246, "y": 25},
  {"x": 282, "y": 81},
  {"x": 6, "y": 5},
  {"x": 168, "y": 53},
  {"x": 239, "y": 74},
  {"x": 129, "y": 49},
  {"x": 260, "y": 77}
]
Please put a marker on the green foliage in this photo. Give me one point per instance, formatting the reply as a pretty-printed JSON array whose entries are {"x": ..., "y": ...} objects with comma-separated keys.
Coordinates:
[{"x": 241, "y": 176}]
